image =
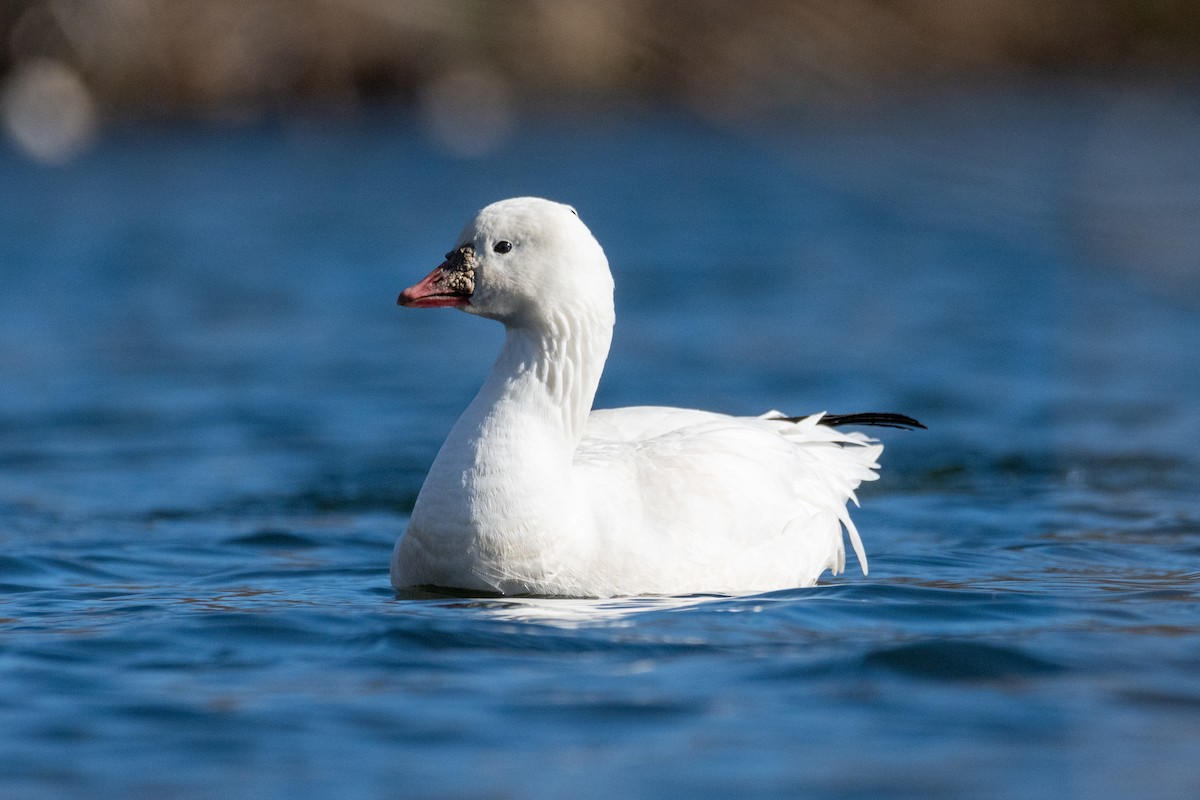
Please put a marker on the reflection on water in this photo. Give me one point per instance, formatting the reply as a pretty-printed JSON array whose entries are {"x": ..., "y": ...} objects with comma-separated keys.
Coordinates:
[{"x": 573, "y": 612}]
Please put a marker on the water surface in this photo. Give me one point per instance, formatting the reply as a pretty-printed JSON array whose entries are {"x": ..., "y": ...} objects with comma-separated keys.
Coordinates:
[{"x": 214, "y": 423}]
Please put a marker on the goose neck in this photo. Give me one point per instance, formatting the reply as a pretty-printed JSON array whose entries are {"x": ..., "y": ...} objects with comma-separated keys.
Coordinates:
[{"x": 553, "y": 369}]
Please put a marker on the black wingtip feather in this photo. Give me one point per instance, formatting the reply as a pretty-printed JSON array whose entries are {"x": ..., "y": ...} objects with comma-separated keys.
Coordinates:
[{"x": 878, "y": 419}]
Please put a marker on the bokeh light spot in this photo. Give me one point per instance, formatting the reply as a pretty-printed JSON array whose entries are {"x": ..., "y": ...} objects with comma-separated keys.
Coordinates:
[
  {"x": 469, "y": 112},
  {"x": 47, "y": 111}
]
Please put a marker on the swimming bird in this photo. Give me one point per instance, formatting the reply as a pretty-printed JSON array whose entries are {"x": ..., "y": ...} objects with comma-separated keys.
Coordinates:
[{"x": 535, "y": 493}]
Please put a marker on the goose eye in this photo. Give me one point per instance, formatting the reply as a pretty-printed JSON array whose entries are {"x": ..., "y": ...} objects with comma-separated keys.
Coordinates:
[{"x": 503, "y": 246}]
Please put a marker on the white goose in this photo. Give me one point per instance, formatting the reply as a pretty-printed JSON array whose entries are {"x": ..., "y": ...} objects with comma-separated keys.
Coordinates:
[{"x": 535, "y": 493}]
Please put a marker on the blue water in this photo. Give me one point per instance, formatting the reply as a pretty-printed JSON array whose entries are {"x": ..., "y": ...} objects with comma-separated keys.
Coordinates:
[{"x": 214, "y": 422}]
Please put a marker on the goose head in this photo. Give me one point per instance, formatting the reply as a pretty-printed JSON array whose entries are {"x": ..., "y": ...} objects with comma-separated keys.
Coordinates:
[{"x": 524, "y": 262}]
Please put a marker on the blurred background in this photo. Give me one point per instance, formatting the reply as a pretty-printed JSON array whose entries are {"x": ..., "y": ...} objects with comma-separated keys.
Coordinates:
[{"x": 71, "y": 67}]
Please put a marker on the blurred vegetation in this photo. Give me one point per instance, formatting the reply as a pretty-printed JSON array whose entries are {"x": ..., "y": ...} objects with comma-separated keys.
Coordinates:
[
  {"x": 68, "y": 66},
  {"x": 236, "y": 57}
]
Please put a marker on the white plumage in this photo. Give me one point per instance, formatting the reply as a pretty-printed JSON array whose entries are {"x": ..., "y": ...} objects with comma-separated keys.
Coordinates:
[{"x": 535, "y": 493}]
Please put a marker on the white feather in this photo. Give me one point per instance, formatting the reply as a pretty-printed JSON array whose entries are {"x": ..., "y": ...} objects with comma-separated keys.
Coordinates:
[{"x": 532, "y": 494}]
